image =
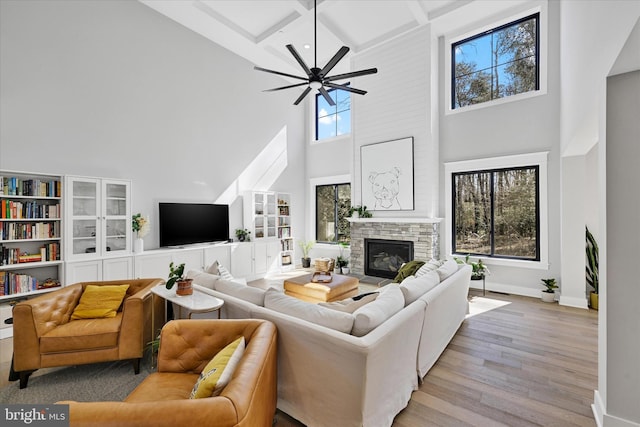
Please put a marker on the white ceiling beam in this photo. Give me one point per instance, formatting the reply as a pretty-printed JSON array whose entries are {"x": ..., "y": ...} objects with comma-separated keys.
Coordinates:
[
  {"x": 202, "y": 7},
  {"x": 416, "y": 9},
  {"x": 279, "y": 26},
  {"x": 436, "y": 13}
]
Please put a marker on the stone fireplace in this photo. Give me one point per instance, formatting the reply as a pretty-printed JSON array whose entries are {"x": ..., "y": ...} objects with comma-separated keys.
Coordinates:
[{"x": 423, "y": 233}]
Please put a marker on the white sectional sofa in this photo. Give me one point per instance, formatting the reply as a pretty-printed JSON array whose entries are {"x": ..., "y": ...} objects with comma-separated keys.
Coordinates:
[{"x": 328, "y": 377}]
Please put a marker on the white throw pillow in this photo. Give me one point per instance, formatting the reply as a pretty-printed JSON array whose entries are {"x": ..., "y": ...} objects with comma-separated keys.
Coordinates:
[
  {"x": 370, "y": 316},
  {"x": 224, "y": 273},
  {"x": 203, "y": 279},
  {"x": 242, "y": 291},
  {"x": 414, "y": 287},
  {"x": 428, "y": 266},
  {"x": 213, "y": 268},
  {"x": 447, "y": 269},
  {"x": 277, "y": 301}
]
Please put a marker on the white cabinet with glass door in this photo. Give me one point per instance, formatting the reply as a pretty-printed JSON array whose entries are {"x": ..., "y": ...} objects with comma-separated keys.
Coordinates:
[
  {"x": 260, "y": 214},
  {"x": 98, "y": 217}
]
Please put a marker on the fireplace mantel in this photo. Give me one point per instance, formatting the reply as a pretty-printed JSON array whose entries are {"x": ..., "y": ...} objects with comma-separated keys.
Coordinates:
[{"x": 404, "y": 220}]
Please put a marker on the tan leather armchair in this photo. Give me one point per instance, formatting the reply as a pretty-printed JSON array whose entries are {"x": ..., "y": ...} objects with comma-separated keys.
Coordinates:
[
  {"x": 186, "y": 346},
  {"x": 44, "y": 336}
]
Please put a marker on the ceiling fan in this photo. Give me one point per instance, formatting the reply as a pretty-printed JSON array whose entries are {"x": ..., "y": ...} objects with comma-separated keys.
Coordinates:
[{"x": 317, "y": 78}]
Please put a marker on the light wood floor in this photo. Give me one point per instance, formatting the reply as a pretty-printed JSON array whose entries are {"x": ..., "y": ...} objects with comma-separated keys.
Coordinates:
[{"x": 516, "y": 362}]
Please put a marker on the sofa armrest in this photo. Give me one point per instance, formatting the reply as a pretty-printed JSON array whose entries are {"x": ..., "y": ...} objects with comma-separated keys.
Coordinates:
[
  {"x": 35, "y": 317},
  {"x": 215, "y": 411},
  {"x": 131, "y": 338}
]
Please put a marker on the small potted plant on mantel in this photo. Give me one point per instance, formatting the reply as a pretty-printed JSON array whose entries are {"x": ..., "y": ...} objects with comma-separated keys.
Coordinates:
[
  {"x": 176, "y": 276},
  {"x": 549, "y": 294},
  {"x": 359, "y": 212}
]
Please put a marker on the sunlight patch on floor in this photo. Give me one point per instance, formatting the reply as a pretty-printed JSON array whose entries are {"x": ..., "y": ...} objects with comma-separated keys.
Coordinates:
[{"x": 479, "y": 305}]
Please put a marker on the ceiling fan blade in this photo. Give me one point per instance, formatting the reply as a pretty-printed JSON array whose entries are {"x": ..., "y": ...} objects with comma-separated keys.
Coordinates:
[
  {"x": 326, "y": 95},
  {"x": 351, "y": 74},
  {"x": 347, "y": 88},
  {"x": 280, "y": 74},
  {"x": 285, "y": 87},
  {"x": 333, "y": 61},
  {"x": 295, "y": 54},
  {"x": 301, "y": 97}
]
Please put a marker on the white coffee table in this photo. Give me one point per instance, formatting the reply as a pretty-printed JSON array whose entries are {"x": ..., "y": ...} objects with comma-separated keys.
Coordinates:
[{"x": 198, "y": 302}]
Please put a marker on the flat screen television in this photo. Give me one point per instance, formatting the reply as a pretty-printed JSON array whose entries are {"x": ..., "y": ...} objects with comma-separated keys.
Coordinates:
[{"x": 189, "y": 223}]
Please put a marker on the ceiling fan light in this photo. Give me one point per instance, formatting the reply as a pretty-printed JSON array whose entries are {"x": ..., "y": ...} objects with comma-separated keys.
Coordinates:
[{"x": 315, "y": 85}]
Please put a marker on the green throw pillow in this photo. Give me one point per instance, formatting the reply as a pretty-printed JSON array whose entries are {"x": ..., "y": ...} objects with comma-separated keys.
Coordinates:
[
  {"x": 407, "y": 269},
  {"x": 217, "y": 374}
]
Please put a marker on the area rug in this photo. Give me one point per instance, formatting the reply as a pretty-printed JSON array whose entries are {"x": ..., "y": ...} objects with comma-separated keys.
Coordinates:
[{"x": 108, "y": 381}]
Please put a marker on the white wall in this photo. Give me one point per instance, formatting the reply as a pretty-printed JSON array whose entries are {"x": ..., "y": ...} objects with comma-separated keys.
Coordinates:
[
  {"x": 114, "y": 89},
  {"x": 519, "y": 127}
]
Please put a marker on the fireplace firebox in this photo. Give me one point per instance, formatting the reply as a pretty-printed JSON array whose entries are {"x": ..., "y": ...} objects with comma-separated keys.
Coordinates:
[{"x": 383, "y": 258}]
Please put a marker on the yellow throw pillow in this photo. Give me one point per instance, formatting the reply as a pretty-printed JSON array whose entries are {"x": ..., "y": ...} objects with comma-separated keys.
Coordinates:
[
  {"x": 98, "y": 302},
  {"x": 216, "y": 375}
]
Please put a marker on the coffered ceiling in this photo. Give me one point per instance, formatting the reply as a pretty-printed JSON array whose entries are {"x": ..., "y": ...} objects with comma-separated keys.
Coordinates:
[{"x": 258, "y": 30}]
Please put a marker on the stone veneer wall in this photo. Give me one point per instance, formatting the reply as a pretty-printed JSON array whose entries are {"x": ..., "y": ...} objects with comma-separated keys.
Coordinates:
[{"x": 424, "y": 235}]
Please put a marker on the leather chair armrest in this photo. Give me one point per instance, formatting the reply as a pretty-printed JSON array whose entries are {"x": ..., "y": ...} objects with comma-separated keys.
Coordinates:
[{"x": 215, "y": 411}]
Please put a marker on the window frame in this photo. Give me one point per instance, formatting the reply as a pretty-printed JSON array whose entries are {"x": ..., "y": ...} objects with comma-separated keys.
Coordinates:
[
  {"x": 313, "y": 183},
  {"x": 492, "y": 202},
  {"x": 315, "y": 117},
  {"x": 480, "y": 28},
  {"x": 501, "y": 163}
]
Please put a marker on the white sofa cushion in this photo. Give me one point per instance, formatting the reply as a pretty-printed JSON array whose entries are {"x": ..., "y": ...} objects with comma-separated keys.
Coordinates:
[
  {"x": 414, "y": 287},
  {"x": 240, "y": 290},
  {"x": 447, "y": 269},
  {"x": 428, "y": 266},
  {"x": 333, "y": 319},
  {"x": 202, "y": 278},
  {"x": 370, "y": 316}
]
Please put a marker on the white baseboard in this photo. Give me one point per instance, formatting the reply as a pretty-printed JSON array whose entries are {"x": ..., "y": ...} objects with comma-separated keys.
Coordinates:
[
  {"x": 605, "y": 420},
  {"x": 526, "y": 292}
]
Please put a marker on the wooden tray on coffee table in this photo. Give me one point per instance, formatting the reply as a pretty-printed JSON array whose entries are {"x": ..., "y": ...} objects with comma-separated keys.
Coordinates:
[{"x": 321, "y": 277}]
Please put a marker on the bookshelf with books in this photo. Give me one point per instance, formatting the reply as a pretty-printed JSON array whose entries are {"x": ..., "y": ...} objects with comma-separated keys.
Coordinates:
[
  {"x": 30, "y": 233},
  {"x": 284, "y": 230}
]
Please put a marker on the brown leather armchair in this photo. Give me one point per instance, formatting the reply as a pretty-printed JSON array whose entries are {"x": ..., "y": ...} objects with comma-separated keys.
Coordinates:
[
  {"x": 44, "y": 336},
  {"x": 186, "y": 346}
]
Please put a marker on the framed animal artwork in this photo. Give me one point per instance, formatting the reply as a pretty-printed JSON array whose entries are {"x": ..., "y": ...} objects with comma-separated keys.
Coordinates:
[{"x": 387, "y": 175}]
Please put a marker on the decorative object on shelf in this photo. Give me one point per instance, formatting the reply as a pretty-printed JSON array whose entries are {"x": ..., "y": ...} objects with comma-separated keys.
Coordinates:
[
  {"x": 140, "y": 226},
  {"x": 243, "y": 235},
  {"x": 387, "y": 175},
  {"x": 359, "y": 212},
  {"x": 549, "y": 294},
  {"x": 317, "y": 78},
  {"x": 592, "y": 268},
  {"x": 176, "y": 276},
  {"x": 324, "y": 265},
  {"x": 306, "y": 247}
]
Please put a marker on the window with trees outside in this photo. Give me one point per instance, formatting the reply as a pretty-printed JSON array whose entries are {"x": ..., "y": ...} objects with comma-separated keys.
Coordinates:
[
  {"x": 496, "y": 213},
  {"x": 332, "y": 212},
  {"x": 333, "y": 120},
  {"x": 497, "y": 63}
]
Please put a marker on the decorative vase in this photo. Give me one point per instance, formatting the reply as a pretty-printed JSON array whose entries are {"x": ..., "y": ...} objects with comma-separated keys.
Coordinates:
[
  {"x": 185, "y": 287},
  {"x": 593, "y": 299},
  {"x": 306, "y": 262},
  {"x": 138, "y": 245},
  {"x": 548, "y": 296},
  {"x": 345, "y": 270},
  {"x": 355, "y": 214}
]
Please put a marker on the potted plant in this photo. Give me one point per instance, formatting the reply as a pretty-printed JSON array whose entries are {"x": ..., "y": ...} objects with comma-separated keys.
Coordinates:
[
  {"x": 243, "y": 235},
  {"x": 342, "y": 264},
  {"x": 478, "y": 269},
  {"x": 140, "y": 226},
  {"x": 359, "y": 212},
  {"x": 306, "y": 247},
  {"x": 176, "y": 275},
  {"x": 592, "y": 268},
  {"x": 549, "y": 294}
]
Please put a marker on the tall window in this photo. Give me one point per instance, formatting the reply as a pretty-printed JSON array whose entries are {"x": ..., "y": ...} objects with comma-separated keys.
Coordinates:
[
  {"x": 332, "y": 210},
  {"x": 496, "y": 213},
  {"x": 497, "y": 63},
  {"x": 333, "y": 120}
]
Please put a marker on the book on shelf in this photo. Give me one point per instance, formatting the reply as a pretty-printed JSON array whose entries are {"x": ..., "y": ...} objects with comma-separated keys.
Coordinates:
[
  {"x": 28, "y": 230},
  {"x": 11, "y": 209},
  {"x": 47, "y": 252},
  {"x": 14, "y": 186},
  {"x": 14, "y": 283}
]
